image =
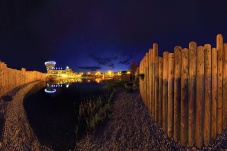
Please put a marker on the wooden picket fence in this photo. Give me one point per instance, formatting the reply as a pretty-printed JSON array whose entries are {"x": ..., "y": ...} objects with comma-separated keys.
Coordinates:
[{"x": 186, "y": 91}]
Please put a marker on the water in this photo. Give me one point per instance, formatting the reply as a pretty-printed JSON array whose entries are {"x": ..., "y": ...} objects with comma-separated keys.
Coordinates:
[{"x": 53, "y": 110}]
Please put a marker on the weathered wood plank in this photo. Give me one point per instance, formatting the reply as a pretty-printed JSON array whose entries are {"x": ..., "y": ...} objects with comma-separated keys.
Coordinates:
[
  {"x": 160, "y": 91},
  {"x": 165, "y": 90},
  {"x": 214, "y": 94},
  {"x": 150, "y": 79},
  {"x": 207, "y": 99},
  {"x": 225, "y": 86},
  {"x": 156, "y": 86},
  {"x": 170, "y": 93},
  {"x": 184, "y": 97},
  {"x": 220, "y": 73},
  {"x": 192, "y": 93},
  {"x": 177, "y": 93},
  {"x": 200, "y": 97}
]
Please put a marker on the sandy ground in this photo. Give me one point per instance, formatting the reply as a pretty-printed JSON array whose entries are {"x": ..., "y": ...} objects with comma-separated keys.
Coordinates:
[{"x": 133, "y": 128}]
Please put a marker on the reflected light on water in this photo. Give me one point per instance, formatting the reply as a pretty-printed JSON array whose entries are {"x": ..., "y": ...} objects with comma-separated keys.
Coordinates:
[
  {"x": 50, "y": 91},
  {"x": 52, "y": 86}
]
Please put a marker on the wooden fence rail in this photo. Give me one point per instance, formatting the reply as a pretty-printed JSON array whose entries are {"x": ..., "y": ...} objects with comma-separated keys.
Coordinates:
[
  {"x": 186, "y": 91},
  {"x": 11, "y": 78}
]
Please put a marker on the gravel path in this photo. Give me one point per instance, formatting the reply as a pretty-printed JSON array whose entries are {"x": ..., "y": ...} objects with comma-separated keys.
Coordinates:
[
  {"x": 17, "y": 133},
  {"x": 132, "y": 128}
]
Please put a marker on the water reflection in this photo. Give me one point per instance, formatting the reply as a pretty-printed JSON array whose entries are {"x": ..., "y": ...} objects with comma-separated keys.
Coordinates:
[
  {"x": 54, "y": 116},
  {"x": 51, "y": 86}
]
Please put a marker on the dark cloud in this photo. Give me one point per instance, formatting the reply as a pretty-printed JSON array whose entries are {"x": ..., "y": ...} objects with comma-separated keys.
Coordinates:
[
  {"x": 103, "y": 60},
  {"x": 91, "y": 68},
  {"x": 111, "y": 66},
  {"x": 125, "y": 61}
]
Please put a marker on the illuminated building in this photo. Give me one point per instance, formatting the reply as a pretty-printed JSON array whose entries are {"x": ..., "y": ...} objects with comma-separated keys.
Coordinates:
[{"x": 54, "y": 73}]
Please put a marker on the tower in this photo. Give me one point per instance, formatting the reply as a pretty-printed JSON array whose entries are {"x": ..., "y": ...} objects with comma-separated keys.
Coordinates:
[{"x": 50, "y": 65}]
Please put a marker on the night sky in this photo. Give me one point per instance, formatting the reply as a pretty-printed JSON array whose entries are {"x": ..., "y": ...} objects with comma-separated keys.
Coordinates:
[{"x": 103, "y": 34}]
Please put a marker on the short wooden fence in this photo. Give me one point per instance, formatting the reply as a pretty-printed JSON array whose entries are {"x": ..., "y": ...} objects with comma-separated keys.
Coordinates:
[{"x": 11, "y": 78}]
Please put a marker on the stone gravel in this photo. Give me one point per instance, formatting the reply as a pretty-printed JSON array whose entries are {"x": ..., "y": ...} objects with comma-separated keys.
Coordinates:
[
  {"x": 133, "y": 128},
  {"x": 16, "y": 132}
]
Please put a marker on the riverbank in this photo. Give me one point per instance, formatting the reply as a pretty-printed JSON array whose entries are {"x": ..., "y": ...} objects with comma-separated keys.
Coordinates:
[{"x": 132, "y": 128}]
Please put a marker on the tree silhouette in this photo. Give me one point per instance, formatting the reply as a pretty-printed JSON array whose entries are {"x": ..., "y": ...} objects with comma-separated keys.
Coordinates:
[{"x": 133, "y": 67}]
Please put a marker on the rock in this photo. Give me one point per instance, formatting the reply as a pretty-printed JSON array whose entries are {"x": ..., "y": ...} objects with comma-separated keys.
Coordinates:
[{"x": 7, "y": 98}]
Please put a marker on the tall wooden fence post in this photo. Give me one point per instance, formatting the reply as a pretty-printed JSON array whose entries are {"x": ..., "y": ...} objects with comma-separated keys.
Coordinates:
[
  {"x": 147, "y": 79},
  {"x": 200, "y": 97},
  {"x": 170, "y": 94},
  {"x": 143, "y": 87},
  {"x": 150, "y": 80},
  {"x": 165, "y": 90},
  {"x": 160, "y": 91},
  {"x": 214, "y": 94},
  {"x": 220, "y": 72},
  {"x": 155, "y": 47},
  {"x": 177, "y": 92},
  {"x": 207, "y": 99},
  {"x": 153, "y": 84},
  {"x": 225, "y": 87},
  {"x": 192, "y": 93},
  {"x": 184, "y": 97}
]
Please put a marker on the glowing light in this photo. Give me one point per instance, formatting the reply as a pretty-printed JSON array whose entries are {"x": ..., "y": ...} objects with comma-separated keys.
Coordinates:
[
  {"x": 67, "y": 86},
  {"x": 50, "y": 91},
  {"x": 128, "y": 72},
  {"x": 50, "y": 62},
  {"x": 97, "y": 80},
  {"x": 67, "y": 67},
  {"x": 109, "y": 72}
]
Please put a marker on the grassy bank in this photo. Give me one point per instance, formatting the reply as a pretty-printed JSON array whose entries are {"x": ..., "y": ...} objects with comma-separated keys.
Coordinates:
[{"x": 94, "y": 111}]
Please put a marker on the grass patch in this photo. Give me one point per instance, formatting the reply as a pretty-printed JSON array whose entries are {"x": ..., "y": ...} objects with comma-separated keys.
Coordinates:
[{"x": 94, "y": 110}]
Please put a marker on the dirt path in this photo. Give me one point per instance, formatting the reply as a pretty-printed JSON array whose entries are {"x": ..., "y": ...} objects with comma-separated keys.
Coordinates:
[{"x": 132, "y": 128}]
